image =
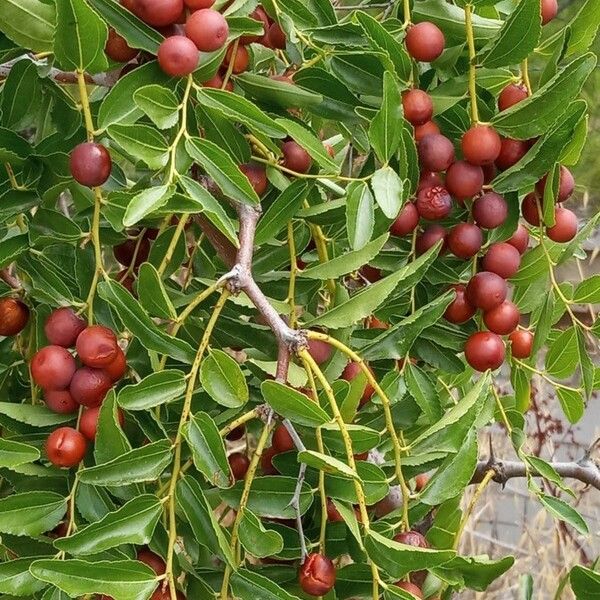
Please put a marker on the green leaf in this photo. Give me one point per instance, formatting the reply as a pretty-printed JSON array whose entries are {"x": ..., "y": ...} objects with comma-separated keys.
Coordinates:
[
  {"x": 224, "y": 133},
  {"x": 146, "y": 202},
  {"x": 142, "y": 142},
  {"x": 223, "y": 380},
  {"x": 399, "y": 559},
  {"x": 111, "y": 441},
  {"x": 477, "y": 572},
  {"x": 34, "y": 415},
  {"x": 14, "y": 453},
  {"x": 385, "y": 131},
  {"x": 220, "y": 166},
  {"x": 28, "y": 23},
  {"x": 363, "y": 438},
  {"x": 133, "y": 523},
  {"x": 257, "y": 540},
  {"x": 119, "y": 579},
  {"x": 201, "y": 517},
  {"x": 159, "y": 103},
  {"x": 293, "y": 405},
  {"x": 249, "y": 585},
  {"x": 152, "y": 293},
  {"x": 141, "y": 325},
  {"x": 387, "y": 189},
  {"x": 588, "y": 291},
  {"x": 79, "y": 37},
  {"x": 155, "y": 389},
  {"x": 208, "y": 450},
  {"x": 11, "y": 248},
  {"x": 16, "y": 579},
  {"x": 562, "y": 511},
  {"x": 136, "y": 466},
  {"x": 584, "y": 27},
  {"x": 13, "y": 148},
  {"x": 533, "y": 116},
  {"x": 563, "y": 355},
  {"x": 327, "y": 464},
  {"x": 571, "y": 401},
  {"x": 360, "y": 214},
  {"x": 423, "y": 390},
  {"x": 346, "y": 263},
  {"x": 517, "y": 38},
  {"x": 31, "y": 513},
  {"x": 585, "y": 583}
]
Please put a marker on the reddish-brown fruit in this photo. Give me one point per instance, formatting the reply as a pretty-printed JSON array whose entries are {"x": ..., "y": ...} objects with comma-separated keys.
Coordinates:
[
  {"x": 421, "y": 480},
  {"x": 566, "y": 185},
  {"x": 521, "y": 343},
  {"x": 90, "y": 164},
  {"x": 350, "y": 372},
  {"x": 125, "y": 252},
  {"x": 481, "y": 145},
  {"x": 277, "y": 37},
  {"x": 282, "y": 440},
  {"x": 374, "y": 323},
  {"x": 464, "y": 180},
  {"x": 158, "y": 13},
  {"x": 88, "y": 424},
  {"x": 198, "y": 4},
  {"x": 412, "y": 538},
  {"x": 117, "y": 368},
  {"x": 465, "y": 240},
  {"x": 118, "y": 49},
  {"x": 429, "y": 238},
  {"x": 425, "y": 41},
  {"x": 519, "y": 239},
  {"x": 63, "y": 326},
  {"x": 370, "y": 273},
  {"x": 434, "y": 204},
  {"x": 484, "y": 350},
  {"x": 317, "y": 575},
  {"x": 90, "y": 386},
  {"x": 241, "y": 60},
  {"x": 333, "y": 514},
  {"x": 426, "y": 129},
  {"x": 503, "y": 259},
  {"x": 257, "y": 177},
  {"x": 127, "y": 280},
  {"x": 392, "y": 502},
  {"x": 549, "y": 10},
  {"x": 406, "y": 221},
  {"x": 490, "y": 210},
  {"x": 512, "y": 94},
  {"x": 503, "y": 319},
  {"x": 215, "y": 82},
  {"x": 418, "y": 106},
  {"x": 162, "y": 593},
  {"x": 266, "y": 461},
  {"x": 258, "y": 14},
  {"x": 489, "y": 173},
  {"x": 413, "y": 589},
  {"x": 208, "y": 29},
  {"x": 52, "y": 368},
  {"x": 511, "y": 152},
  {"x": 320, "y": 351},
  {"x": 295, "y": 157},
  {"x": 565, "y": 225},
  {"x": 65, "y": 447},
  {"x": 429, "y": 180},
  {"x": 237, "y": 433},
  {"x": 178, "y": 56},
  {"x": 238, "y": 463},
  {"x": 60, "y": 401},
  {"x": 529, "y": 209},
  {"x": 14, "y": 315},
  {"x": 97, "y": 346},
  {"x": 436, "y": 152},
  {"x": 460, "y": 309},
  {"x": 486, "y": 290},
  {"x": 154, "y": 561}
]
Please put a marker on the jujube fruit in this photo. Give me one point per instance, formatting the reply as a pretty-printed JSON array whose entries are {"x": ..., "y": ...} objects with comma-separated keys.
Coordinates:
[
  {"x": 208, "y": 29},
  {"x": 65, "y": 447},
  {"x": 406, "y": 221},
  {"x": 481, "y": 145},
  {"x": 154, "y": 561},
  {"x": 89, "y": 386},
  {"x": 434, "y": 204},
  {"x": 158, "y": 13},
  {"x": 519, "y": 239},
  {"x": 511, "y": 152},
  {"x": 238, "y": 463},
  {"x": 490, "y": 210},
  {"x": 198, "y": 4},
  {"x": 521, "y": 343},
  {"x": 503, "y": 259},
  {"x": 407, "y": 586},
  {"x": 464, "y": 180},
  {"x": 418, "y": 106},
  {"x": 370, "y": 273},
  {"x": 421, "y": 480},
  {"x": 426, "y": 129},
  {"x": 529, "y": 209},
  {"x": 52, "y": 368},
  {"x": 14, "y": 315},
  {"x": 63, "y": 326},
  {"x": 565, "y": 225},
  {"x": 60, "y": 401},
  {"x": 486, "y": 290},
  {"x": 512, "y": 94},
  {"x": 88, "y": 423},
  {"x": 465, "y": 240},
  {"x": 295, "y": 157},
  {"x": 90, "y": 164},
  {"x": 333, "y": 514},
  {"x": 277, "y": 37},
  {"x": 566, "y": 185},
  {"x": 502, "y": 319},
  {"x": 266, "y": 461},
  {"x": 320, "y": 351},
  {"x": 317, "y": 575},
  {"x": 425, "y": 41},
  {"x": 429, "y": 238},
  {"x": 237, "y": 433},
  {"x": 282, "y": 441},
  {"x": 549, "y": 10},
  {"x": 428, "y": 180},
  {"x": 163, "y": 593},
  {"x": 117, "y": 368},
  {"x": 412, "y": 538},
  {"x": 97, "y": 346},
  {"x": 460, "y": 309},
  {"x": 117, "y": 47},
  {"x": 484, "y": 350},
  {"x": 258, "y": 14},
  {"x": 125, "y": 252},
  {"x": 350, "y": 372},
  {"x": 241, "y": 59},
  {"x": 436, "y": 152},
  {"x": 178, "y": 56},
  {"x": 257, "y": 176}
]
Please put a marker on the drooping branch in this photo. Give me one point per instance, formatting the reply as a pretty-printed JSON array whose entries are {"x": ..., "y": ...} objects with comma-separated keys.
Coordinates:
[{"x": 10, "y": 279}]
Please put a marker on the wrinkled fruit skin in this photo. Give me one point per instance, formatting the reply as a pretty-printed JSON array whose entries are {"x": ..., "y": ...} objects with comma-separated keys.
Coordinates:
[
  {"x": 14, "y": 315},
  {"x": 484, "y": 350},
  {"x": 317, "y": 575},
  {"x": 90, "y": 164},
  {"x": 63, "y": 326},
  {"x": 65, "y": 447},
  {"x": 434, "y": 204},
  {"x": 52, "y": 368}
]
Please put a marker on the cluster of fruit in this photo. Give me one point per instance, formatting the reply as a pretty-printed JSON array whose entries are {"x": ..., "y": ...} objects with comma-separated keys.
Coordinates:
[{"x": 67, "y": 386}]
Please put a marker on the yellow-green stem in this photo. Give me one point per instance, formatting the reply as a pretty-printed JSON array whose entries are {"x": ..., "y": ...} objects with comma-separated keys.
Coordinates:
[
  {"x": 85, "y": 105},
  {"x": 233, "y": 56},
  {"x": 525, "y": 75},
  {"x": 472, "y": 63},
  {"x": 173, "y": 244},
  {"x": 251, "y": 414},
  {"x": 182, "y": 131}
]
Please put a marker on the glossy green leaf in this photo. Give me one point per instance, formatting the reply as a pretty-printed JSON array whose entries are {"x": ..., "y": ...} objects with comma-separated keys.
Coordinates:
[
  {"x": 326, "y": 463},
  {"x": 142, "y": 142},
  {"x": 257, "y": 540},
  {"x": 223, "y": 380},
  {"x": 387, "y": 190},
  {"x": 293, "y": 405},
  {"x": 146, "y": 202},
  {"x": 248, "y": 585},
  {"x": 585, "y": 583},
  {"x": 31, "y": 513},
  {"x": 34, "y": 415},
  {"x": 385, "y": 130},
  {"x": 152, "y": 293},
  {"x": 563, "y": 355},
  {"x": 15, "y": 578},
  {"x": 562, "y": 511},
  {"x": 571, "y": 402},
  {"x": 14, "y": 453},
  {"x": 29, "y": 23},
  {"x": 154, "y": 390},
  {"x": 360, "y": 215},
  {"x": 280, "y": 93},
  {"x": 159, "y": 103}
]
